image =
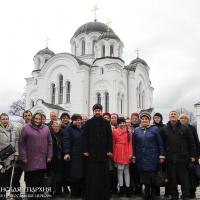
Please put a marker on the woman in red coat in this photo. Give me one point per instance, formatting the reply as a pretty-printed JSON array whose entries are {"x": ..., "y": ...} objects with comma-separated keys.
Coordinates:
[{"x": 122, "y": 154}]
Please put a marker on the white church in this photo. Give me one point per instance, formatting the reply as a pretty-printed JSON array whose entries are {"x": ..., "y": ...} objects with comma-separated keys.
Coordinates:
[{"x": 94, "y": 72}]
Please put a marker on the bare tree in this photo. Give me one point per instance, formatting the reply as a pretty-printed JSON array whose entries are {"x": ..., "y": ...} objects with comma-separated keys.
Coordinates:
[{"x": 18, "y": 107}]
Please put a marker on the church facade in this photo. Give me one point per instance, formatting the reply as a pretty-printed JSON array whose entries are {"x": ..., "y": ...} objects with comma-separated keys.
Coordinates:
[{"x": 94, "y": 72}]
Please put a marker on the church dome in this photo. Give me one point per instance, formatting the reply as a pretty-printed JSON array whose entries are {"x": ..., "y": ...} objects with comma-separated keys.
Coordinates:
[
  {"x": 92, "y": 27},
  {"x": 138, "y": 60},
  {"x": 108, "y": 35},
  {"x": 46, "y": 51}
]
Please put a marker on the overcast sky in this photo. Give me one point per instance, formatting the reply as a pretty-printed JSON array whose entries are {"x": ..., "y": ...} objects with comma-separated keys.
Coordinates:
[{"x": 167, "y": 32}]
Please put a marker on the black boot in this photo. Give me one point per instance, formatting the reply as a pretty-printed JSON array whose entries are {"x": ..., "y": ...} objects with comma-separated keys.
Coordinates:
[
  {"x": 121, "y": 191},
  {"x": 147, "y": 192},
  {"x": 128, "y": 192}
]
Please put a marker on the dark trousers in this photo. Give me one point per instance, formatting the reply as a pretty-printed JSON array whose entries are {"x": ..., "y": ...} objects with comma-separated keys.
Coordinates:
[
  {"x": 113, "y": 180},
  {"x": 34, "y": 180},
  {"x": 178, "y": 174},
  {"x": 16, "y": 180},
  {"x": 76, "y": 186},
  {"x": 135, "y": 179},
  {"x": 4, "y": 183}
]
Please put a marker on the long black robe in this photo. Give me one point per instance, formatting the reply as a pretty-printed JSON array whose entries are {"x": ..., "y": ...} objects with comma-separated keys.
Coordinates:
[{"x": 97, "y": 141}]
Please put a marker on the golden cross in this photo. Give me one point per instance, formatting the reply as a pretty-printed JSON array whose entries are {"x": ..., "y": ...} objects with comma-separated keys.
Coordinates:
[
  {"x": 137, "y": 52},
  {"x": 47, "y": 41},
  {"x": 108, "y": 25},
  {"x": 95, "y": 12}
]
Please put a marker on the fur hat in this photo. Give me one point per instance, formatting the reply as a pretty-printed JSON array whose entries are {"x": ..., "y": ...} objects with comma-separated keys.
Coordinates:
[
  {"x": 120, "y": 120},
  {"x": 97, "y": 106},
  {"x": 146, "y": 114}
]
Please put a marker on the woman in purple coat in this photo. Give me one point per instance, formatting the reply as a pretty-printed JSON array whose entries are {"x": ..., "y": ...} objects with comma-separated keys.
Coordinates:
[{"x": 35, "y": 150}]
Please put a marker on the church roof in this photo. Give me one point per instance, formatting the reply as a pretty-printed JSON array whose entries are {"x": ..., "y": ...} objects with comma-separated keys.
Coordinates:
[
  {"x": 197, "y": 104},
  {"x": 138, "y": 60},
  {"x": 92, "y": 27},
  {"x": 108, "y": 35},
  {"x": 52, "y": 106},
  {"x": 45, "y": 51},
  {"x": 131, "y": 67}
]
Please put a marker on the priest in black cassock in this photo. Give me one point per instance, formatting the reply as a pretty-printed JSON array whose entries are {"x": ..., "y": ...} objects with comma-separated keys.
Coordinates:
[{"x": 97, "y": 148}]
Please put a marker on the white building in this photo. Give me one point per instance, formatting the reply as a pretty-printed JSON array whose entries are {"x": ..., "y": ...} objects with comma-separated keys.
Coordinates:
[
  {"x": 197, "y": 106},
  {"x": 93, "y": 72}
]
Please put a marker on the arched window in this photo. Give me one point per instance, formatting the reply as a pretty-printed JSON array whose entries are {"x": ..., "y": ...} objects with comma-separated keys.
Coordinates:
[
  {"x": 60, "y": 97},
  {"x": 99, "y": 98},
  {"x": 103, "y": 51},
  {"x": 122, "y": 105},
  {"x": 83, "y": 48},
  {"x": 106, "y": 102},
  {"x": 93, "y": 44},
  {"x": 53, "y": 93},
  {"x": 68, "y": 90},
  {"x": 143, "y": 99},
  {"x": 111, "y": 50},
  {"x": 32, "y": 103},
  {"x": 140, "y": 96},
  {"x": 101, "y": 70}
]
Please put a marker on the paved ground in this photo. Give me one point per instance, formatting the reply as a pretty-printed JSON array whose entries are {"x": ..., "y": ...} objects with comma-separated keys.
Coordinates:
[
  {"x": 133, "y": 197},
  {"x": 67, "y": 197}
]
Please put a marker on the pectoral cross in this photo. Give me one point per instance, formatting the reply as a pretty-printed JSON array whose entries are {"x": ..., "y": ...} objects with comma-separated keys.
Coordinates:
[
  {"x": 108, "y": 25},
  {"x": 95, "y": 12},
  {"x": 47, "y": 41}
]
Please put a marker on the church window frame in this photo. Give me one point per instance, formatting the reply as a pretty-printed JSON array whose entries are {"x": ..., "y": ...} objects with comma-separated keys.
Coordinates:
[
  {"x": 83, "y": 47},
  {"x": 93, "y": 46},
  {"x": 60, "y": 94},
  {"x": 111, "y": 50},
  {"x": 53, "y": 93},
  {"x": 107, "y": 97},
  {"x": 103, "y": 50},
  {"x": 68, "y": 91},
  {"x": 101, "y": 70},
  {"x": 98, "y": 97}
]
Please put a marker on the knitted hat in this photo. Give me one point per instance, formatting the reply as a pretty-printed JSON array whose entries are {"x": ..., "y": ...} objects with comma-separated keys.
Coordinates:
[
  {"x": 146, "y": 114},
  {"x": 120, "y": 120},
  {"x": 97, "y": 106},
  {"x": 75, "y": 117}
]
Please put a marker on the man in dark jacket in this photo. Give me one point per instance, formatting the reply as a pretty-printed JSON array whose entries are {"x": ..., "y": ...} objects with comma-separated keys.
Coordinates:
[
  {"x": 97, "y": 148},
  {"x": 184, "y": 119},
  {"x": 180, "y": 149}
]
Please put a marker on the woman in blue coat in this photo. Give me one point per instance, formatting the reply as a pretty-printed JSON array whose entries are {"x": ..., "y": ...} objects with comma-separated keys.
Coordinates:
[
  {"x": 72, "y": 148},
  {"x": 149, "y": 153}
]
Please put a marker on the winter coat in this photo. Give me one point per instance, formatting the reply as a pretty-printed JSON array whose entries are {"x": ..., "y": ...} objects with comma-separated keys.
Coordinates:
[
  {"x": 122, "y": 146},
  {"x": 35, "y": 146},
  {"x": 72, "y": 144},
  {"x": 148, "y": 148},
  {"x": 179, "y": 143},
  {"x": 97, "y": 139},
  {"x": 8, "y": 136},
  {"x": 196, "y": 138}
]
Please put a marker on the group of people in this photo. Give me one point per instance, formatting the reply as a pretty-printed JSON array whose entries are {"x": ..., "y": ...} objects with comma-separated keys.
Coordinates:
[{"x": 101, "y": 156}]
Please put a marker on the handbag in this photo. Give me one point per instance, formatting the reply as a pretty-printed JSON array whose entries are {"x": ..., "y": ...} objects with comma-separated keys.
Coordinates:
[
  {"x": 161, "y": 178},
  {"x": 7, "y": 152},
  {"x": 197, "y": 171}
]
